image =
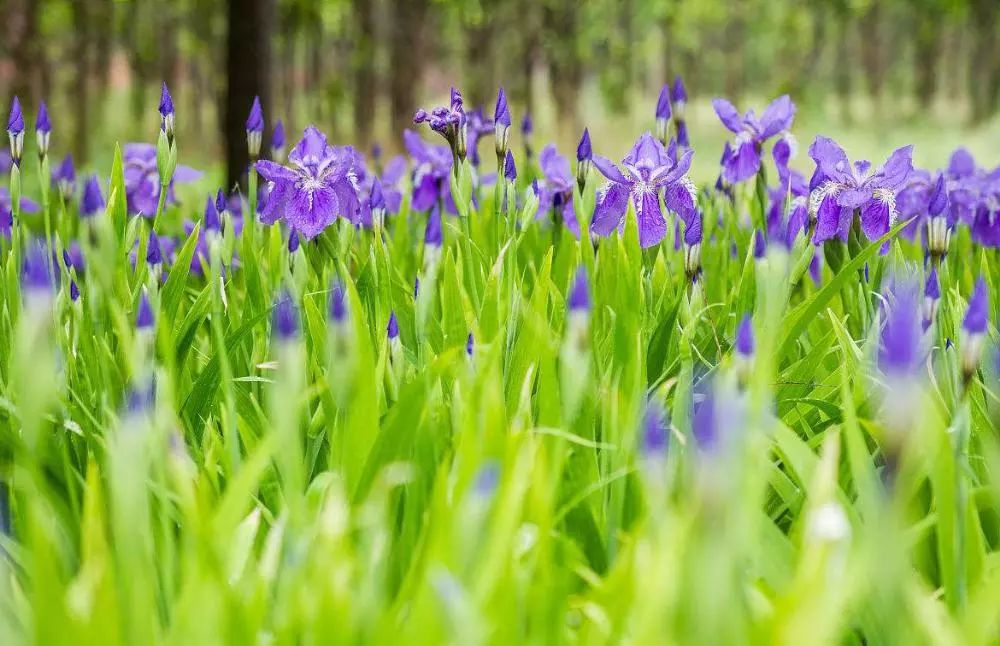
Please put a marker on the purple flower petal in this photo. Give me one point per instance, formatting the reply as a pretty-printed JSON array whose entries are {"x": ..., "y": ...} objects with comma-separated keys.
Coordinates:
[
  {"x": 610, "y": 210},
  {"x": 728, "y": 114}
]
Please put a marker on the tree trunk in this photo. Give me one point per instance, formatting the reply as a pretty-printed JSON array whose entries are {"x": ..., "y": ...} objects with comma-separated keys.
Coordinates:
[
  {"x": 872, "y": 56},
  {"x": 406, "y": 54},
  {"x": 982, "y": 59},
  {"x": 565, "y": 68},
  {"x": 927, "y": 43},
  {"x": 21, "y": 17},
  {"x": 81, "y": 85},
  {"x": 364, "y": 71},
  {"x": 248, "y": 75}
]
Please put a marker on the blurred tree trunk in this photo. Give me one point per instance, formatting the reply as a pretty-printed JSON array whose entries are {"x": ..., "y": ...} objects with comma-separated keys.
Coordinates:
[
  {"x": 927, "y": 46},
  {"x": 984, "y": 68},
  {"x": 406, "y": 52},
  {"x": 364, "y": 71},
  {"x": 478, "y": 82},
  {"x": 528, "y": 45},
  {"x": 81, "y": 82},
  {"x": 843, "y": 62},
  {"x": 248, "y": 74},
  {"x": 734, "y": 46},
  {"x": 24, "y": 45},
  {"x": 565, "y": 66},
  {"x": 873, "y": 53}
]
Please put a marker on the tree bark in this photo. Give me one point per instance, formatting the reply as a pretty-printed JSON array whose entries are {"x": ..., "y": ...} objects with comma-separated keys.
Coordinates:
[
  {"x": 983, "y": 66},
  {"x": 364, "y": 71},
  {"x": 21, "y": 17},
  {"x": 406, "y": 54},
  {"x": 248, "y": 75},
  {"x": 927, "y": 44},
  {"x": 81, "y": 85}
]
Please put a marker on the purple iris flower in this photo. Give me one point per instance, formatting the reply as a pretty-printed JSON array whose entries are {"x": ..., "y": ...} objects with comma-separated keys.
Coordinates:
[
  {"x": 509, "y": 168},
  {"x": 470, "y": 345},
  {"x": 751, "y": 133},
  {"x": 744, "y": 337},
  {"x": 278, "y": 142},
  {"x": 649, "y": 170},
  {"x": 285, "y": 317},
  {"x": 37, "y": 272},
  {"x": 501, "y": 124},
  {"x": 392, "y": 329},
  {"x": 92, "y": 200},
  {"x": 977, "y": 314},
  {"x": 320, "y": 185},
  {"x": 901, "y": 352},
  {"x": 43, "y": 129},
  {"x": 678, "y": 98},
  {"x": 144, "y": 314},
  {"x": 142, "y": 180},
  {"x": 73, "y": 257},
  {"x": 663, "y": 114},
  {"x": 655, "y": 430},
  {"x": 7, "y": 214},
  {"x": 431, "y": 173},
  {"x": 578, "y": 299},
  {"x": 932, "y": 294},
  {"x": 449, "y": 122},
  {"x": 845, "y": 187},
  {"x": 478, "y": 125},
  {"x": 64, "y": 176},
  {"x": 166, "y": 109},
  {"x": 555, "y": 191},
  {"x": 790, "y": 197},
  {"x": 338, "y": 302}
]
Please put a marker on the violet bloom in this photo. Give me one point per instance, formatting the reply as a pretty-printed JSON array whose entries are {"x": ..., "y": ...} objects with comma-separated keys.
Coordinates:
[
  {"x": 744, "y": 337},
  {"x": 36, "y": 268},
  {"x": 501, "y": 124},
  {"x": 470, "y": 345},
  {"x": 449, "y": 122},
  {"x": 555, "y": 191},
  {"x": 932, "y": 295},
  {"x": 338, "y": 303},
  {"x": 751, "y": 133},
  {"x": 477, "y": 127},
  {"x": 678, "y": 97},
  {"x": 649, "y": 170},
  {"x": 285, "y": 317},
  {"x": 974, "y": 328},
  {"x": 255, "y": 128},
  {"x": 431, "y": 173},
  {"x": 64, "y": 177},
  {"x": 278, "y": 142},
  {"x": 392, "y": 329},
  {"x": 166, "y": 110},
  {"x": 663, "y": 114},
  {"x": 73, "y": 257},
  {"x": 584, "y": 159},
  {"x": 15, "y": 131},
  {"x": 320, "y": 185},
  {"x": 144, "y": 314},
  {"x": 7, "y": 213},
  {"x": 92, "y": 200},
  {"x": 845, "y": 187},
  {"x": 578, "y": 299},
  {"x": 142, "y": 179},
  {"x": 900, "y": 350},
  {"x": 43, "y": 129},
  {"x": 791, "y": 199},
  {"x": 509, "y": 169},
  {"x": 655, "y": 430}
]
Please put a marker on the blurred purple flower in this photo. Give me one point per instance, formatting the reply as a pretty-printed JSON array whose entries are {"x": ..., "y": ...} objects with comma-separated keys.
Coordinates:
[{"x": 142, "y": 180}]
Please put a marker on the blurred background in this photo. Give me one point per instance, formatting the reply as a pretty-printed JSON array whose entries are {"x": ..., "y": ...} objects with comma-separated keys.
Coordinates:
[{"x": 876, "y": 73}]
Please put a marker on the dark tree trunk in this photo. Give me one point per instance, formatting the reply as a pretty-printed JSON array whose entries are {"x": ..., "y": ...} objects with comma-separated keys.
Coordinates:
[
  {"x": 872, "y": 53},
  {"x": 927, "y": 44},
  {"x": 21, "y": 17},
  {"x": 983, "y": 66},
  {"x": 248, "y": 74},
  {"x": 81, "y": 85},
  {"x": 842, "y": 66},
  {"x": 364, "y": 71},
  {"x": 406, "y": 54},
  {"x": 478, "y": 82},
  {"x": 565, "y": 67}
]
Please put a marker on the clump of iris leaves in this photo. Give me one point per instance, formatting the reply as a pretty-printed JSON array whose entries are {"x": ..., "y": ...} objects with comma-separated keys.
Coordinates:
[{"x": 437, "y": 398}]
